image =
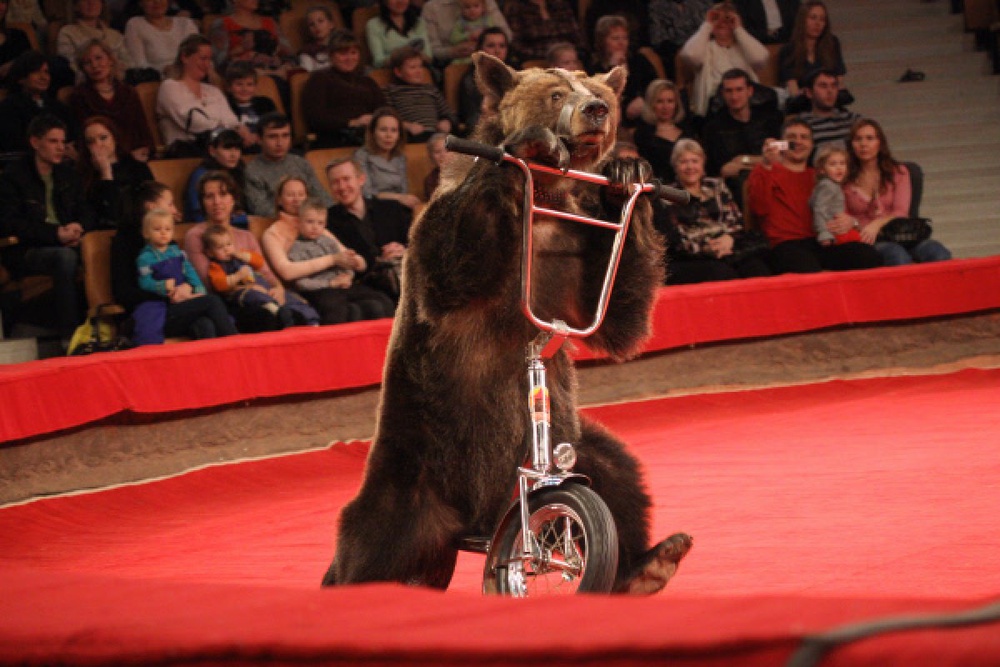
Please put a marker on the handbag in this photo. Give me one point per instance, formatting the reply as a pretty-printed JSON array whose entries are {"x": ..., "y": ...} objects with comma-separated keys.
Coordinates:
[
  {"x": 97, "y": 334},
  {"x": 906, "y": 231}
]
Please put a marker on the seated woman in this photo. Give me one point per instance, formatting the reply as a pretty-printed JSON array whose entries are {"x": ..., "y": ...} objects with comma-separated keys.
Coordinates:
[
  {"x": 661, "y": 127},
  {"x": 88, "y": 23},
  {"x": 612, "y": 48},
  {"x": 188, "y": 108},
  {"x": 398, "y": 24},
  {"x": 315, "y": 52},
  {"x": 383, "y": 160},
  {"x": 31, "y": 95},
  {"x": 706, "y": 239},
  {"x": 225, "y": 153},
  {"x": 147, "y": 311},
  {"x": 108, "y": 170},
  {"x": 470, "y": 99},
  {"x": 218, "y": 193},
  {"x": 246, "y": 35},
  {"x": 341, "y": 98},
  {"x": 153, "y": 38},
  {"x": 721, "y": 44},
  {"x": 102, "y": 93},
  {"x": 536, "y": 25},
  {"x": 812, "y": 47},
  {"x": 877, "y": 190}
]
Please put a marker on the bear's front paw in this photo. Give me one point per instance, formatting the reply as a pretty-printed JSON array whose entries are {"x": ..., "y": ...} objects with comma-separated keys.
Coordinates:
[
  {"x": 538, "y": 144},
  {"x": 623, "y": 172}
]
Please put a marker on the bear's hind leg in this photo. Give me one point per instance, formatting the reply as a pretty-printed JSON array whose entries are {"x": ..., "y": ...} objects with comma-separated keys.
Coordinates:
[
  {"x": 616, "y": 477},
  {"x": 392, "y": 535}
]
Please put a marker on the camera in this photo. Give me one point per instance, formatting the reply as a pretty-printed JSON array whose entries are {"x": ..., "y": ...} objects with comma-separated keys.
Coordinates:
[{"x": 783, "y": 146}]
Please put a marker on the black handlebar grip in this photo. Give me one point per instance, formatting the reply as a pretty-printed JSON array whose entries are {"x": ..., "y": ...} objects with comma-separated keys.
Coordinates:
[
  {"x": 673, "y": 195},
  {"x": 468, "y": 147}
]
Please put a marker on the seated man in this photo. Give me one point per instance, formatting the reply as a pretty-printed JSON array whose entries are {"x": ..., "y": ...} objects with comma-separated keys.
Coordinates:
[
  {"x": 274, "y": 162},
  {"x": 43, "y": 205},
  {"x": 780, "y": 187},
  {"x": 829, "y": 122},
  {"x": 376, "y": 229},
  {"x": 734, "y": 137}
]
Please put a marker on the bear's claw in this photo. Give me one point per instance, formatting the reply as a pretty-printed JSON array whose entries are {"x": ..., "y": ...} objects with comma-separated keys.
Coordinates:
[{"x": 657, "y": 566}]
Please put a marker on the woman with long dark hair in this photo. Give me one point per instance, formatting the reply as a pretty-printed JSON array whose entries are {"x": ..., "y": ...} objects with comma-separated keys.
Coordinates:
[
  {"x": 398, "y": 24},
  {"x": 812, "y": 46},
  {"x": 107, "y": 170}
]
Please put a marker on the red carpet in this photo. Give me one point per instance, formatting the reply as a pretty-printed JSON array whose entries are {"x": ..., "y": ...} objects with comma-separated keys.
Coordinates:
[{"x": 811, "y": 507}]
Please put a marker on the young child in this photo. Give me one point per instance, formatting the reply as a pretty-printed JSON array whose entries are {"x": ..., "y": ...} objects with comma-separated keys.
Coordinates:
[
  {"x": 827, "y": 199},
  {"x": 235, "y": 275},
  {"x": 471, "y": 22},
  {"x": 249, "y": 107},
  {"x": 165, "y": 271},
  {"x": 383, "y": 160},
  {"x": 420, "y": 104},
  {"x": 315, "y": 53},
  {"x": 333, "y": 291}
]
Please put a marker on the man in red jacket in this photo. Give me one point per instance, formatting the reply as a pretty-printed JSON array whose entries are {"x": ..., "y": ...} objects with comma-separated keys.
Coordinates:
[{"x": 779, "y": 190}]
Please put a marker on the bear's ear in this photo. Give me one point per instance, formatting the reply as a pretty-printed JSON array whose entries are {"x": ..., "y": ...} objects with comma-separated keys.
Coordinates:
[
  {"x": 493, "y": 77},
  {"x": 615, "y": 79}
]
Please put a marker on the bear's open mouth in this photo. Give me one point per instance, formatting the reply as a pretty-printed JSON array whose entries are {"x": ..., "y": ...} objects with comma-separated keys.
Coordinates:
[{"x": 592, "y": 137}]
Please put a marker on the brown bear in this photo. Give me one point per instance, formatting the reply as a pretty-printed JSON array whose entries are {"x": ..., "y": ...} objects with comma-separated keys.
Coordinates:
[{"x": 452, "y": 423}]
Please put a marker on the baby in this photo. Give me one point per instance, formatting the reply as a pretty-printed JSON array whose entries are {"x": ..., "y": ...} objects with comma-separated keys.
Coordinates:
[
  {"x": 470, "y": 24},
  {"x": 164, "y": 269},
  {"x": 827, "y": 198}
]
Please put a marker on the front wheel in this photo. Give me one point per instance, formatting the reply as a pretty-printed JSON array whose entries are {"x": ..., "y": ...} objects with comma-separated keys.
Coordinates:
[{"x": 574, "y": 547}]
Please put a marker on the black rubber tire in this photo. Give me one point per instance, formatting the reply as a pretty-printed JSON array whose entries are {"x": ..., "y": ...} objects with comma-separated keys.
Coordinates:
[{"x": 588, "y": 566}]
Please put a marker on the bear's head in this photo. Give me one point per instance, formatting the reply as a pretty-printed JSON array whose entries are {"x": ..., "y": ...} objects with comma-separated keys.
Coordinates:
[{"x": 583, "y": 111}]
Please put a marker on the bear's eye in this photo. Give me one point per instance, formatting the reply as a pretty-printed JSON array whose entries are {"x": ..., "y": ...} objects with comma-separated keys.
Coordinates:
[{"x": 556, "y": 96}]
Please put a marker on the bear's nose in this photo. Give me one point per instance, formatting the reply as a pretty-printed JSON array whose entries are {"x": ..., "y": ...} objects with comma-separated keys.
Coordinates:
[{"x": 596, "y": 109}]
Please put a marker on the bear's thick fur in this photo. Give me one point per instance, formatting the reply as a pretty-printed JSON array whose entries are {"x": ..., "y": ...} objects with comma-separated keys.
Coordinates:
[{"x": 453, "y": 423}]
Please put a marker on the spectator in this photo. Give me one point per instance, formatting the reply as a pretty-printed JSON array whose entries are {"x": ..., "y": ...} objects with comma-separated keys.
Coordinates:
[
  {"x": 769, "y": 21},
  {"x": 420, "y": 105},
  {"x": 440, "y": 16},
  {"x": 377, "y": 229},
  {"x": 612, "y": 48},
  {"x": 102, "y": 93},
  {"x": 147, "y": 311},
  {"x": 706, "y": 238},
  {"x": 721, "y": 44},
  {"x": 153, "y": 38},
  {"x": 564, "y": 55},
  {"x": 341, "y": 98},
  {"x": 22, "y": 11},
  {"x": 635, "y": 13},
  {"x": 779, "y": 190},
  {"x": 333, "y": 291},
  {"x": 235, "y": 276},
  {"x": 812, "y": 47},
  {"x": 671, "y": 25},
  {"x": 439, "y": 156},
  {"x": 279, "y": 237},
  {"x": 107, "y": 171},
  {"x": 249, "y": 107},
  {"x": 225, "y": 153},
  {"x": 31, "y": 96},
  {"x": 734, "y": 138},
  {"x": 877, "y": 191},
  {"x": 275, "y": 161},
  {"x": 89, "y": 24},
  {"x": 383, "y": 161},
  {"x": 189, "y": 109},
  {"x": 472, "y": 20},
  {"x": 246, "y": 35},
  {"x": 315, "y": 53},
  {"x": 398, "y": 24},
  {"x": 494, "y": 42},
  {"x": 218, "y": 193},
  {"x": 829, "y": 122},
  {"x": 13, "y": 42},
  {"x": 537, "y": 25},
  {"x": 43, "y": 205},
  {"x": 827, "y": 200},
  {"x": 164, "y": 271},
  {"x": 661, "y": 127}
]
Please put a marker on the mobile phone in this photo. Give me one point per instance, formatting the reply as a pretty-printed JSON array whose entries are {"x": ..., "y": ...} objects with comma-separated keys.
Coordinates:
[{"x": 781, "y": 146}]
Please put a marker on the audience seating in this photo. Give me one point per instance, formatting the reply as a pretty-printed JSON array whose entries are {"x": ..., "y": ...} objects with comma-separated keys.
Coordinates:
[
  {"x": 453, "y": 75},
  {"x": 359, "y": 19},
  {"x": 29, "y": 31},
  {"x": 540, "y": 63},
  {"x": 300, "y": 131},
  {"x": 418, "y": 164},
  {"x": 147, "y": 97},
  {"x": 52, "y": 35},
  {"x": 266, "y": 87},
  {"x": 95, "y": 252},
  {"x": 175, "y": 174},
  {"x": 321, "y": 157}
]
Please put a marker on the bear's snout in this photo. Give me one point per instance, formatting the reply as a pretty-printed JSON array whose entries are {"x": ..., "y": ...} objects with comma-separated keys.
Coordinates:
[{"x": 596, "y": 111}]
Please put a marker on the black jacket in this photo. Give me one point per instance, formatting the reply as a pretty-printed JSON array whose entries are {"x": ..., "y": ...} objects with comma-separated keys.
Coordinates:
[
  {"x": 17, "y": 110},
  {"x": 385, "y": 221},
  {"x": 22, "y": 207}
]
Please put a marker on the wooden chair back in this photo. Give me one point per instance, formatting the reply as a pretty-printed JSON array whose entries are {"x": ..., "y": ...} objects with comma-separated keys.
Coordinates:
[
  {"x": 175, "y": 174},
  {"x": 359, "y": 19},
  {"x": 147, "y": 92},
  {"x": 453, "y": 74},
  {"x": 95, "y": 253},
  {"x": 266, "y": 87},
  {"x": 300, "y": 131}
]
